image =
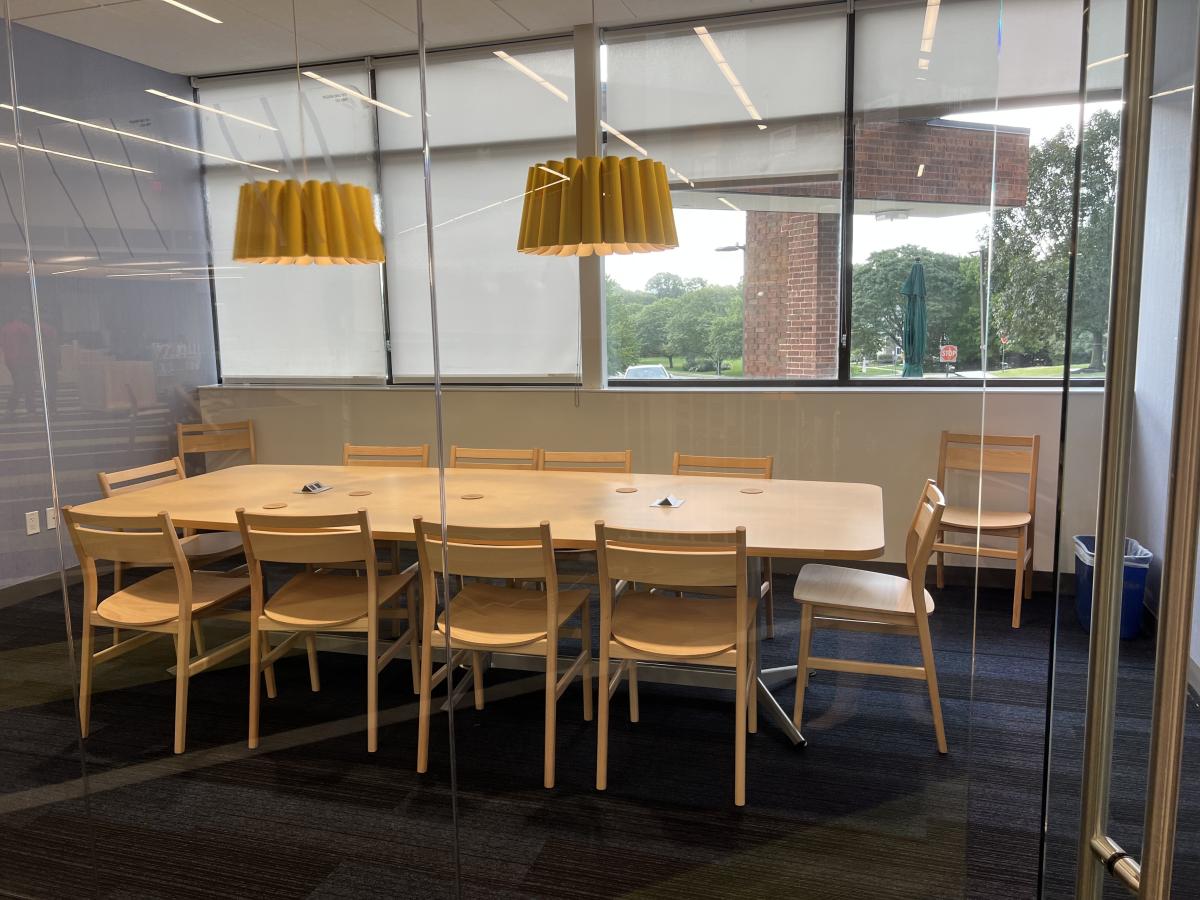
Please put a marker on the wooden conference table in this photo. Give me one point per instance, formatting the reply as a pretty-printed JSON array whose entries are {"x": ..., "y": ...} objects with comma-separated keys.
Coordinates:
[{"x": 797, "y": 519}]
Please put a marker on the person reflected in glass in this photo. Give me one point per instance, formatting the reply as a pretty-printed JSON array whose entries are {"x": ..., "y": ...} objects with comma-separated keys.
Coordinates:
[{"x": 18, "y": 347}]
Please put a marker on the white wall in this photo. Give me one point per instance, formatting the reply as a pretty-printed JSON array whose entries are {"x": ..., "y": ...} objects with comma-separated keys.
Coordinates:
[{"x": 887, "y": 437}]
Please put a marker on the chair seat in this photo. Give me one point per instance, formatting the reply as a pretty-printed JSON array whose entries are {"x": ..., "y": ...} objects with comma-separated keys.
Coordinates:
[
  {"x": 493, "y": 616},
  {"x": 313, "y": 600},
  {"x": 970, "y": 517},
  {"x": 155, "y": 600},
  {"x": 683, "y": 627},
  {"x": 211, "y": 544},
  {"x": 856, "y": 589}
]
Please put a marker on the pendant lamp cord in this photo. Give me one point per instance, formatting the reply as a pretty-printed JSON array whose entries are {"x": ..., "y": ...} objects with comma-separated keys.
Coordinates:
[{"x": 300, "y": 92}]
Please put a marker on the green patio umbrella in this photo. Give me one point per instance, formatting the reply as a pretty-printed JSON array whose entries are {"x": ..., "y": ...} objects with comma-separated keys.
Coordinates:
[{"x": 914, "y": 321}]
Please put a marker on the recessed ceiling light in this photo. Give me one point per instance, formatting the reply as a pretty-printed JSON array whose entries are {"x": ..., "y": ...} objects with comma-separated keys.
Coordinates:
[
  {"x": 211, "y": 109},
  {"x": 194, "y": 12},
  {"x": 529, "y": 73},
  {"x": 98, "y": 162},
  {"x": 727, "y": 70},
  {"x": 353, "y": 93},
  {"x": 137, "y": 137}
]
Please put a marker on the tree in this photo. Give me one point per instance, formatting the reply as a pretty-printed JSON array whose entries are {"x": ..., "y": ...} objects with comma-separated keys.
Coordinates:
[
  {"x": 725, "y": 335},
  {"x": 951, "y": 302},
  {"x": 665, "y": 284},
  {"x": 651, "y": 324},
  {"x": 1032, "y": 245}
]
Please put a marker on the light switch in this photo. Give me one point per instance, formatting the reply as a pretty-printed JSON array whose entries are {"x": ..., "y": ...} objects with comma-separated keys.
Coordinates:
[{"x": 33, "y": 522}]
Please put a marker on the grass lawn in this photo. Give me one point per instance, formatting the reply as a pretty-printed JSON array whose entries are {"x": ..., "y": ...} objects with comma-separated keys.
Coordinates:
[{"x": 730, "y": 368}]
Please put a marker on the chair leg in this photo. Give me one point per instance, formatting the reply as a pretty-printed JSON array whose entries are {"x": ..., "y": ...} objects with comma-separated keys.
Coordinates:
[
  {"x": 86, "y": 664},
  {"x": 752, "y": 680},
  {"x": 269, "y": 672},
  {"x": 256, "y": 645},
  {"x": 634, "y": 715},
  {"x": 806, "y": 629},
  {"x": 424, "y": 705},
  {"x": 935, "y": 702},
  {"x": 373, "y": 687},
  {"x": 1029, "y": 568},
  {"x": 183, "y": 654},
  {"x": 198, "y": 637},
  {"x": 739, "y": 734},
  {"x": 314, "y": 671},
  {"x": 551, "y": 708},
  {"x": 769, "y": 578},
  {"x": 477, "y": 677},
  {"x": 414, "y": 642},
  {"x": 1018, "y": 581},
  {"x": 941, "y": 562},
  {"x": 602, "y": 719},
  {"x": 586, "y": 626}
]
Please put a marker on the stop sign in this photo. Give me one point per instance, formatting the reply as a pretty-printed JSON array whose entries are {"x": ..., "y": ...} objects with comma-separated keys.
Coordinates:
[{"x": 949, "y": 353}]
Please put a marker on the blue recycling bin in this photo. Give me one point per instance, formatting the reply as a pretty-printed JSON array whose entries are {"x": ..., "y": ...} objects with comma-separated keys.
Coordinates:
[{"x": 1137, "y": 565}]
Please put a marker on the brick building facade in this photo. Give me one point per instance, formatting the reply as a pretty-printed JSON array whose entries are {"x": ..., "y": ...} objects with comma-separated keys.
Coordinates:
[{"x": 791, "y": 264}]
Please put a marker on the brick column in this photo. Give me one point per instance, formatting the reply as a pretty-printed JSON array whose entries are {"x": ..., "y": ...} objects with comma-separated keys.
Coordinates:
[{"x": 791, "y": 295}]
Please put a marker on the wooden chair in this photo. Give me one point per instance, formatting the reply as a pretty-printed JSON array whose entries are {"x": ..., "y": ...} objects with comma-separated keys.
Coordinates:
[
  {"x": 322, "y": 600},
  {"x": 201, "y": 549},
  {"x": 485, "y": 617},
  {"x": 215, "y": 437},
  {"x": 166, "y": 603},
  {"x": 997, "y": 455},
  {"x": 858, "y": 600},
  {"x": 613, "y": 461},
  {"x": 735, "y": 467},
  {"x": 647, "y": 625},
  {"x": 483, "y": 458},
  {"x": 416, "y": 456}
]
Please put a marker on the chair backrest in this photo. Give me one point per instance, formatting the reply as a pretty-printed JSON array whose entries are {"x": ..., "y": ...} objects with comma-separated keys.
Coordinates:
[
  {"x": 587, "y": 460},
  {"x": 525, "y": 553},
  {"x": 381, "y": 455},
  {"x": 727, "y": 466},
  {"x": 687, "y": 559},
  {"x": 994, "y": 454},
  {"x": 485, "y": 458},
  {"x": 918, "y": 543},
  {"x": 140, "y": 477},
  {"x": 212, "y": 437},
  {"x": 337, "y": 538},
  {"x": 136, "y": 540},
  {"x": 132, "y": 540}
]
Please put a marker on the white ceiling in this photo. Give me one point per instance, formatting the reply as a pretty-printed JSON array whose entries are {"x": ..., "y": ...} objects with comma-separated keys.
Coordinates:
[{"x": 257, "y": 34}]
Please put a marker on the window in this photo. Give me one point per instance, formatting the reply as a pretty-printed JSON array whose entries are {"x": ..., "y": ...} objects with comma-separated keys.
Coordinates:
[
  {"x": 322, "y": 322},
  {"x": 964, "y": 161},
  {"x": 962, "y": 158},
  {"x": 492, "y": 114},
  {"x": 755, "y": 164}
]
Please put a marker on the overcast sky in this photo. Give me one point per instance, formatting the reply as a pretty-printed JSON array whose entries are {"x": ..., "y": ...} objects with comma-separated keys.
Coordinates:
[{"x": 701, "y": 231}]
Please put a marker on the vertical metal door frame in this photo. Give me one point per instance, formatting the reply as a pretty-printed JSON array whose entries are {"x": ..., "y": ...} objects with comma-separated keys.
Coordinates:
[
  {"x": 1150, "y": 879},
  {"x": 1097, "y": 852}
]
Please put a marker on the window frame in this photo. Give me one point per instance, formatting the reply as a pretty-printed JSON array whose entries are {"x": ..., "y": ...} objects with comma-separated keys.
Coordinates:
[{"x": 588, "y": 41}]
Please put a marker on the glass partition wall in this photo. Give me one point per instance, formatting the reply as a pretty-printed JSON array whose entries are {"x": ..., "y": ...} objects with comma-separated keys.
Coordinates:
[{"x": 833, "y": 250}]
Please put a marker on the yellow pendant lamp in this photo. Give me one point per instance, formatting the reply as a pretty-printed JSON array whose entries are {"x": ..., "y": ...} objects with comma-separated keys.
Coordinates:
[
  {"x": 315, "y": 223},
  {"x": 319, "y": 223},
  {"x": 600, "y": 205}
]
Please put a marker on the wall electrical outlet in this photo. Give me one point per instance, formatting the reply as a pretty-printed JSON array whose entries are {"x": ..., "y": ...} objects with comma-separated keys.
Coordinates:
[
  {"x": 33, "y": 522},
  {"x": 51, "y": 518}
]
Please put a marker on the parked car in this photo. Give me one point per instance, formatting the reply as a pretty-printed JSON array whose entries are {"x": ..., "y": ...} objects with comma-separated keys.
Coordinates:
[{"x": 656, "y": 370}]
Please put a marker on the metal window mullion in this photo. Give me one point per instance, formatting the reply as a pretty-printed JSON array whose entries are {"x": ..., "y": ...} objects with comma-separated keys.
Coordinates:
[{"x": 846, "y": 222}]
